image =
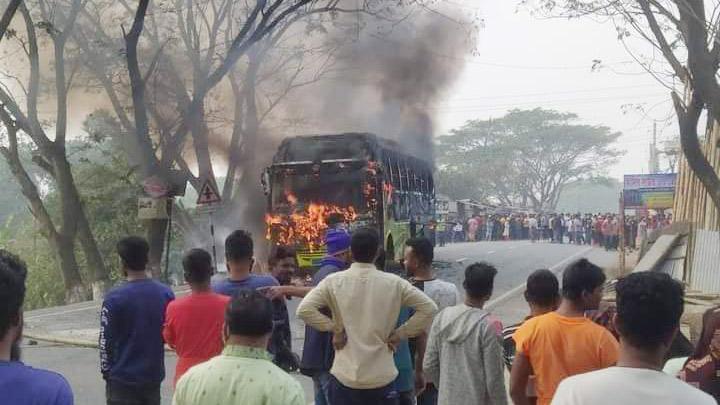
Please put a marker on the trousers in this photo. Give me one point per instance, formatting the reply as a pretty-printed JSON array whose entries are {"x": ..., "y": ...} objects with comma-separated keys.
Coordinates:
[
  {"x": 118, "y": 393},
  {"x": 342, "y": 395}
]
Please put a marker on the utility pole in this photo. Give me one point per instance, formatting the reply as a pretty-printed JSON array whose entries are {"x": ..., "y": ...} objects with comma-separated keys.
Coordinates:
[{"x": 654, "y": 164}]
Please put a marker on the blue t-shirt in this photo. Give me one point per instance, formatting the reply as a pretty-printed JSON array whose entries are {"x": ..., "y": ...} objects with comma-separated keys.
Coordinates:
[
  {"x": 405, "y": 380},
  {"x": 318, "y": 353},
  {"x": 252, "y": 282},
  {"x": 280, "y": 343},
  {"x": 131, "y": 323},
  {"x": 24, "y": 385}
]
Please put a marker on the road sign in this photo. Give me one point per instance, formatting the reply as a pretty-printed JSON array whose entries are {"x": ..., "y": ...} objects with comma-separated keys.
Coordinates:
[
  {"x": 208, "y": 194},
  {"x": 156, "y": 187},
  {"x": 152, "y": 208}
]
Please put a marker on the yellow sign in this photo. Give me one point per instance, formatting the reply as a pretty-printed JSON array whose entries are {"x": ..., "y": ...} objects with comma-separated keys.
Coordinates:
[{"x": 659, "y": 200}]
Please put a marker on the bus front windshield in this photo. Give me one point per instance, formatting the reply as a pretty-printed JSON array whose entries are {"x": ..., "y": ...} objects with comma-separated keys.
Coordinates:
[{"x": 296, "y": 190}]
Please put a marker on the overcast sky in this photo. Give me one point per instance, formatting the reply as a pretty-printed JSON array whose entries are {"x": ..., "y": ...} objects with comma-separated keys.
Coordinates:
[{"x": 525, "y": 62}]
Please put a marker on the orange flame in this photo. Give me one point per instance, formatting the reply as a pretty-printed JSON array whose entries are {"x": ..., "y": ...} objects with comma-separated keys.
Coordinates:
[{"x": 305, "y": 227}]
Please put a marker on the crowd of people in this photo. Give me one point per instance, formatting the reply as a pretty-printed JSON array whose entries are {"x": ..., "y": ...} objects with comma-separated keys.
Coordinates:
[
  {"x": 375, "y": 334},
  {"x": 582, "y": 229}
]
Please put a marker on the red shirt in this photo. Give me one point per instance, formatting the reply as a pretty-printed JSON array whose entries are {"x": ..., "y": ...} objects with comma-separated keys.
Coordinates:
[{"x": 193, "y": 327}]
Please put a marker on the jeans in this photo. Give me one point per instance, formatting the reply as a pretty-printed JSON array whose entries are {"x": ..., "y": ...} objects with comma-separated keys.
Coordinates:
[
  {"x": 429, "y": 396},
  {"x": 342, "y": 395},
  {"x": 321, "y": 381},
  {"x": 121, "y": 394},
  {"x": 406, "y": 398}
]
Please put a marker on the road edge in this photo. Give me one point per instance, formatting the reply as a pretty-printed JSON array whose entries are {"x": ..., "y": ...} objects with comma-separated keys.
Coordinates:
[
  {"x": 557, "y": 269},
  {"x": 62, "y": 341}
]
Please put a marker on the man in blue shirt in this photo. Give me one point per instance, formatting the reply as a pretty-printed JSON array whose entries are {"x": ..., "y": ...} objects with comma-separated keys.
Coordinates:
[
  {"x": 20, "y": 384},
  {"x": 318, "y": 352},
  {"x": 239, "y": 251},
  {"x": 132, "y": 356}
]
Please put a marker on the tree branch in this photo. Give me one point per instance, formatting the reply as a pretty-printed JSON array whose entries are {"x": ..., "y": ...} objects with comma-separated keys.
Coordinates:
[
  {"x": 688, "y": 117},
  {"x": 8, "y": 16},
  {"x": 137, "y": 85},
  {"x": 663, "y": 44}
]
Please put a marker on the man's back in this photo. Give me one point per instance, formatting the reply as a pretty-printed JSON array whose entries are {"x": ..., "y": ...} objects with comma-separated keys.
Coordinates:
[
  {"x": 131, "y": 342},
  {"x": 628, "y": 386},
  {"x": 240, "y": 375},
  {"x": 444, "y": 294},
  {"x": 281, "y": 337},
  {"x": 559, "y": 347},
  {"x": 464, "y": 358},
  {"x": 193, "y": 327},
  {"x": 24, "y": 385},
  {"x": 366, "y": 302},
  {"x": 252, "y": 282}
]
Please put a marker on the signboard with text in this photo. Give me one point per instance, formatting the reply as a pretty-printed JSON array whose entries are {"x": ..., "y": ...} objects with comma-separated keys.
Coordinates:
[
  {"x": 152, "y": 208},
  {"x": 649, "y": 191}
]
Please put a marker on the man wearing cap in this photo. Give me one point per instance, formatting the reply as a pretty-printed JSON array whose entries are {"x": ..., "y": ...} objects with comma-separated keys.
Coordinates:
[{"x": 318, "y": 353}]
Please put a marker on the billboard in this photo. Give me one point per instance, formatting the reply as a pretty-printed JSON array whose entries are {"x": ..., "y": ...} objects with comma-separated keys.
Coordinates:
[{"x": 649, "y": 191}]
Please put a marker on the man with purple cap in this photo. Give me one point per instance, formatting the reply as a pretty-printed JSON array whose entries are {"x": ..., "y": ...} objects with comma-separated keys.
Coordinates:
[{"x": 318, "y": 352}]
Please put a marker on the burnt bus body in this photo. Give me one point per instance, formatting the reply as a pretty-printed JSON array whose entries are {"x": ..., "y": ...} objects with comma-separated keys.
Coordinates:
[{"x": 360, "y": 178}]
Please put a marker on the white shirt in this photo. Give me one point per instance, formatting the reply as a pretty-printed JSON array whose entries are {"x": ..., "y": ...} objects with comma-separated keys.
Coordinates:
[
  {"x": 532, "y": 223},
  {"x": 444, "y": 294},
  {"x": 628, "y": 386},
  {"x": 365, "y": 302}
]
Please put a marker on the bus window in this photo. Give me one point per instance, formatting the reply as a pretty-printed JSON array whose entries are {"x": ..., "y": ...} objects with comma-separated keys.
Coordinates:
[{"x": 392, "y": 169}]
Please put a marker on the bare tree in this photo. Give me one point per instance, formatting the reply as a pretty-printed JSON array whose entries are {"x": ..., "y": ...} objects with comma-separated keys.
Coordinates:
[
  {"x": 687, "y": 35},
  {"x": 169, "y": 112},
  {"x": 51, "y": 152}
]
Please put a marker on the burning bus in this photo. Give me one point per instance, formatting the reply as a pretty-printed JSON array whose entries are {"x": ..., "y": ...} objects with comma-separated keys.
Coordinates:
[{"x": 357, "y": 179}]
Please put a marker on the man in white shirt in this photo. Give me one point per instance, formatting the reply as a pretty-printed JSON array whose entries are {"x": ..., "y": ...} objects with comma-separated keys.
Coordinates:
[
  {"x": 649, "y": 306},
  {"x": 365, "y": 303},
  {"x": 533, "y": 228},
  {"x": 418, "y": 258}
]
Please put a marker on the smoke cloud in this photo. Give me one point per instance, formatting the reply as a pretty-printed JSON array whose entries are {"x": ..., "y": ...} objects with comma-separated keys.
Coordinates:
[
  {"x": 392, "y": 81},
  {"x": 386, "y": 82}
]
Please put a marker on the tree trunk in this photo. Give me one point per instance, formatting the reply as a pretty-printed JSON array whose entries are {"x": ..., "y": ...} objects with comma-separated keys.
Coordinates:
[
  {"x": 156, "y": 233},
  {"x": 695, "y": 157},
  {"x": 75, "y": 291},
  {"x": 61, "y": 245},
  {"x": 75, "y": 222},
  {"x": 98, "y": 270}
]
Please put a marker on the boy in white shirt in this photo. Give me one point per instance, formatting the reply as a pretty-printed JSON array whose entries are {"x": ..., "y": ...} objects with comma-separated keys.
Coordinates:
[{"x": 649, "y": 306}]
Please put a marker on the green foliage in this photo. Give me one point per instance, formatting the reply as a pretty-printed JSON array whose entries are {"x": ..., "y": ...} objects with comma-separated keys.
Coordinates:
[
  {"x": 44, "y": 285},
  {"x": 523, "y": 158},
  {"x": 109, "y": 190},
  {"x": 107, "y": 184}
]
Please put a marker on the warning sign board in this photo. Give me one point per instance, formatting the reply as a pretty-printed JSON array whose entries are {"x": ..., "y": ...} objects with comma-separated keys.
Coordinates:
[{"x": 208, "y": 194}]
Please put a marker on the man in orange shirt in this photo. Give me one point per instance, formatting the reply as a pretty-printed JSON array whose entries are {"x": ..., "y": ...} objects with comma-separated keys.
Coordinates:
[
  {"x": 194, "y": 324},
  {"x": 563, "y": 343}
]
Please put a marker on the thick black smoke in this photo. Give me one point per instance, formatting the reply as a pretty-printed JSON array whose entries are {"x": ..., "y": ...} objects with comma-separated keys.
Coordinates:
[
  {"x": 391, "y": 82},
  {"x": 386, "y": 80}
]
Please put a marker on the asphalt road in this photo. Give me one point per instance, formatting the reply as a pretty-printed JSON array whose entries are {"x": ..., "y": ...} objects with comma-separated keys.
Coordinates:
[{"x": 514, "y": 260}]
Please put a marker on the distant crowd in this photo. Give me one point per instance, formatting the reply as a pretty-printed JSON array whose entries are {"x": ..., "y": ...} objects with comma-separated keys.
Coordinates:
[
  {"x": 588, "y": 229},
  {"x": 376, "y": 333}
]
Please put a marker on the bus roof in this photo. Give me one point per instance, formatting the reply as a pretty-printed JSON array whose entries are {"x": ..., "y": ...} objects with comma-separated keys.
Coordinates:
[{"x": 350, "y": 145}]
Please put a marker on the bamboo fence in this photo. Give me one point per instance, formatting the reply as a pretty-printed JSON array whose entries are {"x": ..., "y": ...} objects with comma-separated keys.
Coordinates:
[{"x": 692, "y": 203}]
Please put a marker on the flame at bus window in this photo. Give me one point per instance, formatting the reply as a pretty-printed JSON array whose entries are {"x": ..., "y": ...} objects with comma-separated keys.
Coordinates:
[{"x": 305, "y": 226}]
